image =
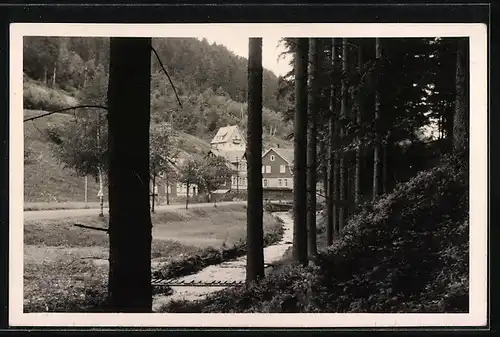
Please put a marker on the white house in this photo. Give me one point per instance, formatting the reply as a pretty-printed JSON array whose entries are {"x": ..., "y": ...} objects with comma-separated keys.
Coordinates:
[{"x": 229, "y": 143}]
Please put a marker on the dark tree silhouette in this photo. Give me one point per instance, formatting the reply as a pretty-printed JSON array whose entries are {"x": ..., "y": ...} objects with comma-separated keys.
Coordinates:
[
  {"x": 343, "y": 165},
  {"x": 461, "y": 115},
  {"x": 300, "y": 153},
  {"x": 332, "y": 186},
  {"x": 377, "y": 152},
  {"x": 255, "y": 233},
  {"x": 128, "y": 138},
  {"x": 359, "y": 120},
  {"x": 311, "y": 146}
]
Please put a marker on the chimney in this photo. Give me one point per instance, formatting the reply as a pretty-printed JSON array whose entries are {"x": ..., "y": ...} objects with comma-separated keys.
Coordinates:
[{"x": 278, "y": 145}]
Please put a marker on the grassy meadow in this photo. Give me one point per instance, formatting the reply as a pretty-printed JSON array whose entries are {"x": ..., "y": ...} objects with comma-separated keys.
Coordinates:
[{"x": 66, "y": 267}]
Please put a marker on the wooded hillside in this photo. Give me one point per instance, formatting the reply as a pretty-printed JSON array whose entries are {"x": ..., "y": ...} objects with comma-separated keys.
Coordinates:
[{"x": 210, "y": 80}]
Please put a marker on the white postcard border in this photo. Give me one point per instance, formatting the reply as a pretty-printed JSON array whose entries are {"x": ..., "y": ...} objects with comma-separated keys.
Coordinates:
[{"x": 478, "y": 296}]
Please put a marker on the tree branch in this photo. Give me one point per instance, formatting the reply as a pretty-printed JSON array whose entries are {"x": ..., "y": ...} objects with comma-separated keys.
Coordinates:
[
  {"x": 166, "y": 73},
  {"x": 91, "y": 227},
  {"x": 65, "y": 109}
]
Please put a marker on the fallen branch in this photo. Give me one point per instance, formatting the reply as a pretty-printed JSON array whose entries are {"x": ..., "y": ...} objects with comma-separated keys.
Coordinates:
[{"x": 65, "y": 109}]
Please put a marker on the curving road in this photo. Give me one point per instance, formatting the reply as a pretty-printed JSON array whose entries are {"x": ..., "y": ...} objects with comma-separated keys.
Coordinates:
[{"x": 72, "y": 213}]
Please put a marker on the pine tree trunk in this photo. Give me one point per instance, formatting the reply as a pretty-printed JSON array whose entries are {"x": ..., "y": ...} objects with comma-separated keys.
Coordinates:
[
  {"x": 311, "y": 147},
  {"x": 332, "y": 186},
  {"x": 300, "y": 153},
  {"x": 323, "y": 145},
  {"x": 153, "y": 194},
  {"x": 187, "y": 194},
  {"x": 54, "y": 76},
  {"x": 167, "y": 193},
  {"x": 129, "y": 217},
  {"x": 461, "y": 115},
  {"x": 255, "y": 232},
  {"x": 377, "y": 152},
  {"x": 336, "y": 172},
  {"x": 343, "y": 169},
  {"x": 359, "y": 120},
  {"x": 387, "y": 174},
  {"x": 45, "y": 74}
]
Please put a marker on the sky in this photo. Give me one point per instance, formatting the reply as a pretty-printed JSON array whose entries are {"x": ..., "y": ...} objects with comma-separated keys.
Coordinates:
[{"x": 270, "y": 50}]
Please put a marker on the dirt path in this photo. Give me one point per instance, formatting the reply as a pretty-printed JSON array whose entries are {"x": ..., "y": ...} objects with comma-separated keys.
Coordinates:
[
  {"x": 71, "y": 213},
  {"x": 227, "y": 271}
]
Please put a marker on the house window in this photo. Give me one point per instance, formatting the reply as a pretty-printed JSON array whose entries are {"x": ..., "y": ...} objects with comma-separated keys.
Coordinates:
[
  {"x": 279, "y": 182},
  {"x": 265, "y": 182},
  {"x": 282, "y": 168},
  {"x": 244, "y": 180},
  {"x": 286, "y": 182},
  {"x": 272, "y": 157},
  {"x": 263, "y": 169},
  {"x": 268, "y": 168}
]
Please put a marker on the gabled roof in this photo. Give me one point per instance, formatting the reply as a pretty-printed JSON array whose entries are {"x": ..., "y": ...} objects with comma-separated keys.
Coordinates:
[
  {"x": 229, "y": 155},
  {"x": 232, "y": 155},
  {"x": 224, "y": 134},
  {"x": 286, "y": 154}
]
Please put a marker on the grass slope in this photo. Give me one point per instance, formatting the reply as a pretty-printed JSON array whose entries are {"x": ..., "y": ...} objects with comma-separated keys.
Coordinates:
[
  {"x": 37, "y": 96},
  {"x": 46, "y": 180},
  {"x": 408, "y": 252}
]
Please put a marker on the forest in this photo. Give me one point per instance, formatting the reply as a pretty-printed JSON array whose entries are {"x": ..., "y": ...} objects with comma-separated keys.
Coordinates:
[
  {"x": 210, "y": 80},
  {"x": 381, "y": 123}
]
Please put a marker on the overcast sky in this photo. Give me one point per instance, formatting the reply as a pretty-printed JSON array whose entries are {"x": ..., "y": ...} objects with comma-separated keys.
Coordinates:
[{"x": 270, "y": 50}]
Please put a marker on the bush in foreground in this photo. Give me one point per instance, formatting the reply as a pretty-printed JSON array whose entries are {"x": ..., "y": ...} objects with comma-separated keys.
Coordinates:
[{"x": 406, "y": 253}]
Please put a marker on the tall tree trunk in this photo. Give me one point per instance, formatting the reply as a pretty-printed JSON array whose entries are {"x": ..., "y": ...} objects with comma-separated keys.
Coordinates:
[
  {"x": 300, "y": 153},
  {"x": 129, "y": 217},
  {"x": 311, "y": 147},
  {"x": 332, "y": 186},
  {"x": 255, "y": 233},
  {"x": 167, "y": 193},
  {"x": 45, "y": 75},
  {"x": 153, "y": 194},
  {"x": 323, "y": 145},
  {"x": 387, "y": 173},
  {"x": 344, "y": 178},
  {"x": 359, "y": 119},
  {"x": 461, "y": 114},
  {"x": 187, "y": 194},
  {"x": 377, "y": 152},
  {"x": 54, "y": 75}
]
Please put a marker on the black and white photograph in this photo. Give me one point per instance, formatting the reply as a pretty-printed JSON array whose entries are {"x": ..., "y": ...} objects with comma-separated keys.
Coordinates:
[{"x": 259, "y": 169}]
